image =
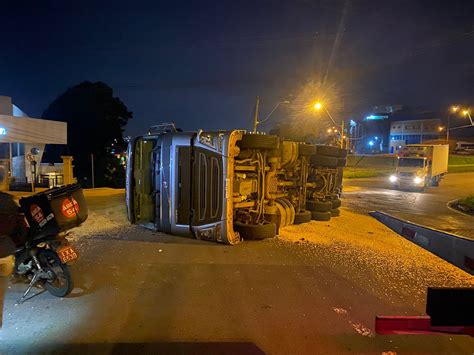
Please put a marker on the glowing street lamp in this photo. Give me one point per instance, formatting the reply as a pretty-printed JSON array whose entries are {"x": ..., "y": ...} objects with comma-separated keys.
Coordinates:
[
  {"x": 455, "y": 108},
  {"x": 317, "y": 106},
  {"x": 468, "y": 114}
]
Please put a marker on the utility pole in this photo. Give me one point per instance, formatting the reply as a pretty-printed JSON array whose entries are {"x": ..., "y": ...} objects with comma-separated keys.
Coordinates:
[
  {"x": 447, "y": 130},
  {"x": 342, "y": 135},
  {"x": 92, "y": 169},
  {"x": 255, "y": 116}
]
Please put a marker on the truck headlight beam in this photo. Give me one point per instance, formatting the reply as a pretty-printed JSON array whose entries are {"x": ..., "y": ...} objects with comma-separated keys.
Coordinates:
[
  {"x": 418, "y": 180},
  {"x": 393, "y": 178}
]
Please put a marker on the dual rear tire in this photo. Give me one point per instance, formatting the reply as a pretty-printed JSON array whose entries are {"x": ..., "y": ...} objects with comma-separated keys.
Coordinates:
[{"x": 256, "y": 231}]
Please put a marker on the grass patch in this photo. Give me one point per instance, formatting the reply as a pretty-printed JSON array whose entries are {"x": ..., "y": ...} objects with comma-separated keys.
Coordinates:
[
  {"x": 461, "y": 160},
  {"x": 465, "y": 205},
  {"x": 460, "y": 168},
  {"x": 358, "y": 173},
  {"x": 468, "y": 202}
]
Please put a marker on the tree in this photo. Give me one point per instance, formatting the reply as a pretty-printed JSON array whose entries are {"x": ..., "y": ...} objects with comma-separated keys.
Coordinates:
[{"x": 96, "y": 121}]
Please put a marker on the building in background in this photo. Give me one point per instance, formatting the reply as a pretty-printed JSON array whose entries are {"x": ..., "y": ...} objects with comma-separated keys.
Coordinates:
[
  {"x": 388, "y": 128},
  {"x": 22, "y": 144},
  {"x": 413, "y": 132}
]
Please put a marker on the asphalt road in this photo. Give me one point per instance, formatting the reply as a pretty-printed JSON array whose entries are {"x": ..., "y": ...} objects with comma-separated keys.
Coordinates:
[
  {"x": 138, "y": 291},
  {"x": 427, "y": 208}
]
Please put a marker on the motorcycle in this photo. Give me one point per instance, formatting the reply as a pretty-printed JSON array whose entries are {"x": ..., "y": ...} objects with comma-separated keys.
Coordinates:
[
  {"x": 43, "y": 251},
  {"x": 44, "y": 261}
]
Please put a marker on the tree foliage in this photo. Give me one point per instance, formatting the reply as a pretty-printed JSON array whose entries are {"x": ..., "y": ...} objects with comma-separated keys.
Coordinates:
[{"x": 96, "y": 121}]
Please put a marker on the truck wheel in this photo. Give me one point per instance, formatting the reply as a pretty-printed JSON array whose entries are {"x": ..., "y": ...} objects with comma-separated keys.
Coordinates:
[
  {"x": 341, "y": 161},
  {"x": 255, "y": 231},
  {"x": 335, "y": 212},
  {"x": 302, "y": 217},
  {"x": 259, "y": 141},
  {"x": 342, "y": 153},
  {"x": 327, "y": 150},
  {"x": 320, "y": 216},
  {"x": 319, "y": 206},
  {"x": 336, "y": 203},
  {"x": 322, "y": 160},
  {"x": 435, "y": 181},
  {"x": 306, "y": 149}
]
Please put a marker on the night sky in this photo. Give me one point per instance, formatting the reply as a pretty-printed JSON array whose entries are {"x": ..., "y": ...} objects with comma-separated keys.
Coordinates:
[{"x": 201, "y": 63}]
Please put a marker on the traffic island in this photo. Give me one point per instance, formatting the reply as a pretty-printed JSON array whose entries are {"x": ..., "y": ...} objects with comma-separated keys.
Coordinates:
[{"x": 464, "y": 205}]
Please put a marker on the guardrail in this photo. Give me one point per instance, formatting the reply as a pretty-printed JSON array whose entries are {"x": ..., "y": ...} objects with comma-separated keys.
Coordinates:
[{"x": 450, "y": 247}]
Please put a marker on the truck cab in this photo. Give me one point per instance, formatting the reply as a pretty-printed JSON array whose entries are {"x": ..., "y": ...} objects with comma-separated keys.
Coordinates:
[
  {"x": 412, "y": 170},
  {"x": 176, "y": 182}
]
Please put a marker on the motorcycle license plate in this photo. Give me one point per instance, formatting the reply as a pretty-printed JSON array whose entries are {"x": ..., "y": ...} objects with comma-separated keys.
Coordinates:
[{"x": 67, "y": 254}]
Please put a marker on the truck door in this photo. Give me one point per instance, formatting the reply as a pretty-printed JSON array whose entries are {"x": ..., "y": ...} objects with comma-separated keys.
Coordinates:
[
  {"x": 145, "y": 170},
  {"x": 207, "y": 187}
]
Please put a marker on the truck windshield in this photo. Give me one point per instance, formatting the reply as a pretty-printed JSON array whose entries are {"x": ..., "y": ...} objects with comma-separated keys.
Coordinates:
[{"x": 411, "y": 162}]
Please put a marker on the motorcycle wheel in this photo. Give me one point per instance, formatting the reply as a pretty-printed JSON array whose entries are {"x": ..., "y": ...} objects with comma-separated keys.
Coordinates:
[{"x": 61, "y": 285}]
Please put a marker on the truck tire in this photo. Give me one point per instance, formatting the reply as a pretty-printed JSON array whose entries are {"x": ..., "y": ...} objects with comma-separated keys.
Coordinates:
[
  {"x": 319, "y": 206},
  {"x": 342, "y": 153},
  {"x": 336, "y": 203},
  {"x": 335, "y": 212},
  {"x": 259, "y": 141},
  {"x": 255, "y": 231},
  {"x": 320, "y": 216},
  {"x": 305, "y": 150},
  {"x": 435, "y": 181},
  {"x": 323, "y": 160},
  {"x": 327, "y": 150},
  {"x": 341, "y": 161},
  {"x": 302, "y": 217}
]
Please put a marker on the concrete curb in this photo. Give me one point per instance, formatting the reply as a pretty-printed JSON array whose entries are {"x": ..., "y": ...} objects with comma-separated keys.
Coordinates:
[{"x": 450, "y": 247}]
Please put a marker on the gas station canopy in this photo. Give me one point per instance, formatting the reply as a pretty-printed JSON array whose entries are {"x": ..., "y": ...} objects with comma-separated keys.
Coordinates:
[{"x": 32, "y": 130}]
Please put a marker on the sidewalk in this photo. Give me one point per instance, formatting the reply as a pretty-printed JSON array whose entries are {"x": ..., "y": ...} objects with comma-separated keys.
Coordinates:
[{"x": 100, "y": 191}]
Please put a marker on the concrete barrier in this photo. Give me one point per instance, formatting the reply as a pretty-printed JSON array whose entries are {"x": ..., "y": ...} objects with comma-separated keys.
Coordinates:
[{"x": 450, "y": 247}]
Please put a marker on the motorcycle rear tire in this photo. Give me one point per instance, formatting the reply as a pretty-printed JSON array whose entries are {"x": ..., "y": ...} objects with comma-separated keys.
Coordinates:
[{"x": 49, "y": 260}]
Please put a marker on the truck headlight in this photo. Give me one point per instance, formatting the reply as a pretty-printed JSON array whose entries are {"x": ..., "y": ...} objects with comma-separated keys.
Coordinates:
[
  {"x": 393, "y": 178},
  {"x": 418, "y": 180}
]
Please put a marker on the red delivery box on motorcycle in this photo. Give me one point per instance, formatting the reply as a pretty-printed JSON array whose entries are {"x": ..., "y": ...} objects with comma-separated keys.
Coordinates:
[{"x": 55, "y": 210}]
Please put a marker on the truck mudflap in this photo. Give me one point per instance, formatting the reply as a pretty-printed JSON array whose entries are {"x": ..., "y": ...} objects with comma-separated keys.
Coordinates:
[{"x": 450, "y": 311}]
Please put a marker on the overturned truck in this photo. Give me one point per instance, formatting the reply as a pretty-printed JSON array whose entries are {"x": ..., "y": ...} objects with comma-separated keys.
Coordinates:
[{"x": 226, "y": 186}]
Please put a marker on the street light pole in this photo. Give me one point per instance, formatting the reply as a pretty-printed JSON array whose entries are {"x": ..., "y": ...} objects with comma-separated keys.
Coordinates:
[
  {"x": 447, "y": 130},
  {"x": 255, "y": 116},
  {"x": 92, "y": 171},
  {"x": 332, "y": 119},
  {"x": 335, "y": 124},
  {"x": 256, "y": 122},
  {"x": 468, "y": 114}
]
